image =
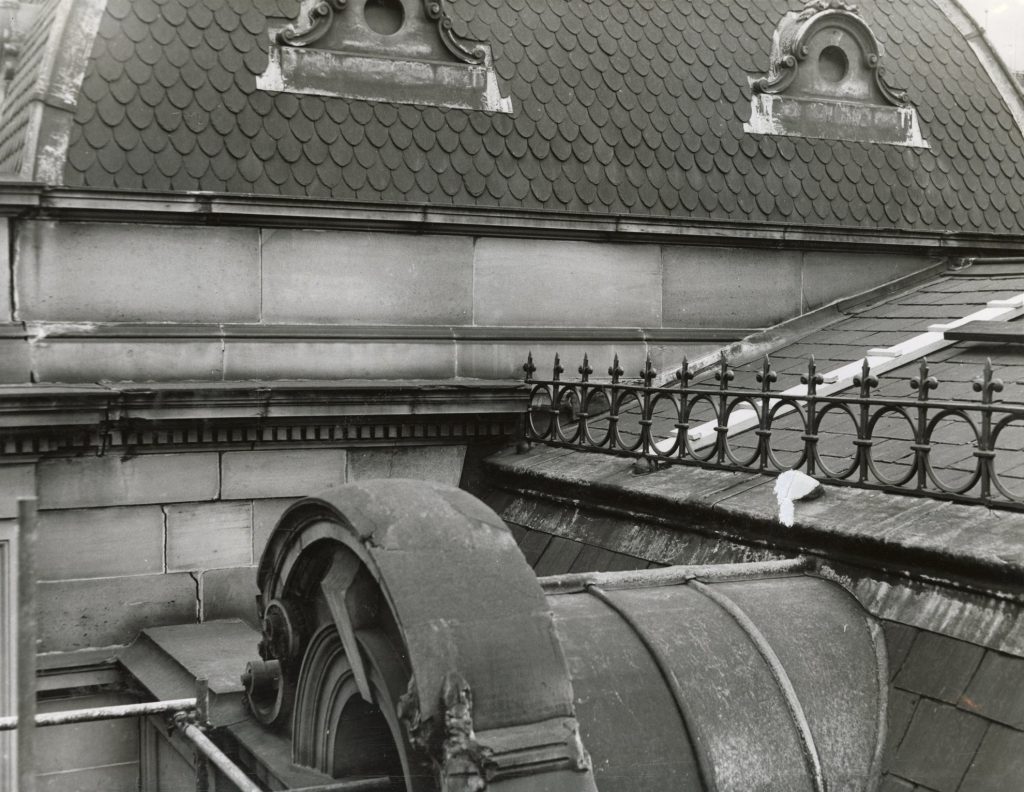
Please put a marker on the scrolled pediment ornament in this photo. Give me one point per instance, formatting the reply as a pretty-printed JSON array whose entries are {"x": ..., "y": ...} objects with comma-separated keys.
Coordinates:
[
  {"x": 316, "y": 17},
  {"x": 794, "y": 42},
  {"x": 463, "y": 49}
]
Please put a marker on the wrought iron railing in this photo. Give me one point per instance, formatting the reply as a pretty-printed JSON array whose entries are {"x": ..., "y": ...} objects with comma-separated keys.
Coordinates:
[{"x": 959, "y": 450}]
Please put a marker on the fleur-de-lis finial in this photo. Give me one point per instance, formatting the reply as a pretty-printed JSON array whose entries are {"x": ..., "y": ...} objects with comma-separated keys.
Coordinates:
[
  {"x": 684, "y": 373},
  {"x": 724, "y": 374},
  {"x": 585, "y": 370},
  {"x": 766, "y": 376},
  {"x": 922, "y": 383},
  {"x": 648, "y": 373},
  {"x": 615, "y": 370},
  {"x": 528, "y": 366},
  {"x": 812, "y": 379},
  {"x": 557, "y": 369},
  {"x": 865, "y": 380},
  {"x": 987, "y": 384}
]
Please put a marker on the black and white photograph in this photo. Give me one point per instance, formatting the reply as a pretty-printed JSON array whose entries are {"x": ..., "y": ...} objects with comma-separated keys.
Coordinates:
[{"x": 512, "y": 395}]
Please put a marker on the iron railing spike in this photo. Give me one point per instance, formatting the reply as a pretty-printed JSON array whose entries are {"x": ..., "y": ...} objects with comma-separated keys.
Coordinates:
[{"x": 789, "y": 413}]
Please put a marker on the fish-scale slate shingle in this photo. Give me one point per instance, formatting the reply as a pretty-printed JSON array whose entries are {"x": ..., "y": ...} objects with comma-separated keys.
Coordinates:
[{"x": 621, "y": 107}]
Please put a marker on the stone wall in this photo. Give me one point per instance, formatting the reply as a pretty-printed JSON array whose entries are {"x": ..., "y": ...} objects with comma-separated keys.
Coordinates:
[
  {"x": 123, "y": 301},
  {"x": 131, "y": 542},
  {"x": 163, "y": 538}
]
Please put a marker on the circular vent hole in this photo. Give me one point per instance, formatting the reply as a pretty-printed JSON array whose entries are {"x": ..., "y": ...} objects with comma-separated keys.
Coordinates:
[
  {"x": 833, "y": 64},
  {"x": 384, "y": 16}
]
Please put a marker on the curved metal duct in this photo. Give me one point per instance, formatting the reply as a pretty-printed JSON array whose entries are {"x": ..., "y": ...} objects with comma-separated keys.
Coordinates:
[{"x": 406, "y": 639}]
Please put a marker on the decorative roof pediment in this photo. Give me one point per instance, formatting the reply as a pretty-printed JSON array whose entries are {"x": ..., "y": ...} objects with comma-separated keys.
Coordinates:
[
  {"x": 826, "y": 79},
  {"x": 404, "y": 51}
]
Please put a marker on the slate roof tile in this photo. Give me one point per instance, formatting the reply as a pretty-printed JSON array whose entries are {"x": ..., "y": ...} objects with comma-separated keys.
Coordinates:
[
  {"x": 613, "y": 103},
  {"x": 996, "y": 691},
  {"x": 939, "y": 746}
]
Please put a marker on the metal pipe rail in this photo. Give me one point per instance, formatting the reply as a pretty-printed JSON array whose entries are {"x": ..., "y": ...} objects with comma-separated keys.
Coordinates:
[
  {"x": 103, "y": 713},
  {"x": 577, "y": 582}
]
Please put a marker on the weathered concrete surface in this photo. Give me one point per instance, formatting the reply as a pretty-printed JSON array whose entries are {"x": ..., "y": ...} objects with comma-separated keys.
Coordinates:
[
  {"x": 16, "y": 481},
  {"x": 106, "y": 611},
  {"x": 832, "y": 275},
  {"x": 81, "y": 272},
  {"x": 431, "y": 463},
  {"x": 953, "y": 569},
  {"x": 115, "y": 481},
  {"x": 344, "y": 277},
  {"x": 128, "y": 360},
  {"x": 229, "y": 594},
  {"x": 274, "y": 474},
  {"x": 208, "y": 535},
  {"x": 94, "y": 543},
  {"x": 339, "y": 360},
  {"x": 539, "y": 282},
  {"x": 729, "y": 287}
]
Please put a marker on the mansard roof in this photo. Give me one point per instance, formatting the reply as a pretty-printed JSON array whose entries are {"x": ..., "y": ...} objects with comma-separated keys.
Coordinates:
[{"x": 619, "y": 107}]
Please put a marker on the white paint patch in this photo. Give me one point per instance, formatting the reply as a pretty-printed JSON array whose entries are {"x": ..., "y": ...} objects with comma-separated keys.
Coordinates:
[{"x": 380, "y": 79}]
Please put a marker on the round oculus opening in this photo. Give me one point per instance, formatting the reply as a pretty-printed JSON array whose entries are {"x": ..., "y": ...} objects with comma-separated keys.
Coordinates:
[
  {"x": 385, "y": 17},
  {"x": 833, "y": 64}
]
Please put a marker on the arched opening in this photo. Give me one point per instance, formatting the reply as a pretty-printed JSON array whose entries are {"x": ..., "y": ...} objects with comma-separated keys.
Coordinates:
[
  {"x": 364, "y": 746},
  {"x": 385, "y": 17},
  {"x": 833, "y": 64}
]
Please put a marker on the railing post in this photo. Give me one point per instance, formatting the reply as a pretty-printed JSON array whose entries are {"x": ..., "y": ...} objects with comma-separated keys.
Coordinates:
[
  {"x": 724, "y": 376},
  {"x": 865, "y": 381},
  {"x": 614, "y": 371},
  {"x": 812, "y": 379},
  {"x": 766, "y": 377},
  {"x": 582, "y": 435},
  {"x": 647, "y": 374},
  {"x": 556, "y": 376},
  {"x": 922, "y": 445},
  {"x": 683, "y": 419},
  {"x": 986, "y": 385}
]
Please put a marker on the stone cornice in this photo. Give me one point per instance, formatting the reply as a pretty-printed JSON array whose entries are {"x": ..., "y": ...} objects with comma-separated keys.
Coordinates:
[
  {"x": 128, "y": 418},
  {"x": 38, "y": 201}
]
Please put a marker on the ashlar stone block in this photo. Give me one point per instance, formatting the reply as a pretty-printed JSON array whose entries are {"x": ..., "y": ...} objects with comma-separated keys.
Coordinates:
[
  {"x": 209, "y": 535},
  {"x": 92, "y": 543},
  {"x": 118, "y": 481},
  {"x": 122, "y": 272},
  {"x": 275, "y": 474}
]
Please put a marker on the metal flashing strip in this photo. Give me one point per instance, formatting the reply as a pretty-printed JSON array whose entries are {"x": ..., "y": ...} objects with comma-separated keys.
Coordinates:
[
  {"x": 879, "y": 360},
  {"x": 705, "y": 766},
  {"x": 778, "y": 672}
]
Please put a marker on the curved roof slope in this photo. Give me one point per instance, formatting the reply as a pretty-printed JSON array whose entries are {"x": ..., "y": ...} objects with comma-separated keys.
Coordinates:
[
  {"x": 17, "y": 115},
  {"x": 623, "y": 107}
]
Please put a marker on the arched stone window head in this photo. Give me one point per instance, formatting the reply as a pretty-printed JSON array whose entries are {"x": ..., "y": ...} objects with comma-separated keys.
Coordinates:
[
  {"x": 826, "y": 79},
  {"x": 405, "y": 51}
]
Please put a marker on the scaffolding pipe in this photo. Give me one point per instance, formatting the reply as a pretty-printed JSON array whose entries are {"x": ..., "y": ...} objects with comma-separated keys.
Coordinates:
[
  {"x": 103, "y": 713},
  {"x": 578, "y": 582},
  {"x": 231, "y": 771}
]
